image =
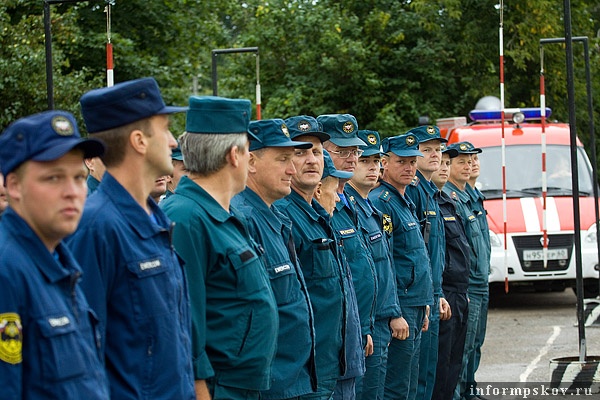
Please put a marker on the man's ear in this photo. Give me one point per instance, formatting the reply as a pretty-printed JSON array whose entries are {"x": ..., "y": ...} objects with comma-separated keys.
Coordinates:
[
  {"x": 138, "y": 141},
  {"x": 252, "y": 163},
  {"x": 13, "y": 186},
  {"x": 232, "y": 156},
  {"x": 317, "y": 194}
]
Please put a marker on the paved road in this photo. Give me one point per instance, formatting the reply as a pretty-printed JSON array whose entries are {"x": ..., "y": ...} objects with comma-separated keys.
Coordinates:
[{"x": 527, "y": 330}]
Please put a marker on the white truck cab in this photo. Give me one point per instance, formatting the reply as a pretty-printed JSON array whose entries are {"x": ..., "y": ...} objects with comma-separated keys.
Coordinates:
[{"x": 524, "y": 203}]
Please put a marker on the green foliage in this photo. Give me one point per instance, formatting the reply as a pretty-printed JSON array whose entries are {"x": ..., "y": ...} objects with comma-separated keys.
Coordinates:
[{"x": 385, "y": 61}]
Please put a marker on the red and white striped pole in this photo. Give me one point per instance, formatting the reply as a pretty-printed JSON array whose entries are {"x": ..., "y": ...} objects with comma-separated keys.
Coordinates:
[
  {"x": 110, "y": 81},
  {"x": 544, "y": 177},
  {"x": 504, "y": 212},
  {"x": 258, "y": 102}
]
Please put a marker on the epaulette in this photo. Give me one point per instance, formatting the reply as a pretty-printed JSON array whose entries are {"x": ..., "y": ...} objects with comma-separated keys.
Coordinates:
[
  {"x": 385, "y": 195},
  {"x": 415, "y": 181}
]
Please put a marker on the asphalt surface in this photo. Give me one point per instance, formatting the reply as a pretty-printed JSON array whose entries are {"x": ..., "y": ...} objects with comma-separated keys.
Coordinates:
[{"x": 525, "y": 332}]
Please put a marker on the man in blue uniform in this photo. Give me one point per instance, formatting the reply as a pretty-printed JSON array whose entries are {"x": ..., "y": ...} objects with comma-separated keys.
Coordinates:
[
  {"x": 411, "y": 263},
  {"x": 387, "y": 311},
  {"x": 270, "y": 170},
  {"x": 234, "y": 312},
  {"x": 424, "y": 194},
  {"x": 132, "y": 276},
  {"x": 318, "y": 252},
  {"x": 361, "y": 276},
  {"x": 49, "y": 336},
  {"x": 455, "y": 282},
  {"x": 478, "y": 235}
]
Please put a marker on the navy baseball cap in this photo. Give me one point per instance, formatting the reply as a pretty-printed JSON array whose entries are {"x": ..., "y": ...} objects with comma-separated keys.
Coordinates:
[
  {"x": 304, "y": 125},
  {"x": 373, "y": 141},
  {"x": 126, "y": 102},
  {"x": 402, "y": 146},
  {"x": 273, "y": 133},
  {"x": 342, "y": 128},
  {"x": 330, "y": 170},
  {"x": 46, "y": 136},
  {"x": 425, "y": 133},
  {"x": 465, "y": 148},
  {"x": 218, "y": 115},
  {"x": 451, "y": 152}
]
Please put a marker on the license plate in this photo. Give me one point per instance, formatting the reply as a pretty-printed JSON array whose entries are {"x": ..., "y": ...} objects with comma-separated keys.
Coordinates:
[{"x": 538, "y": 255}]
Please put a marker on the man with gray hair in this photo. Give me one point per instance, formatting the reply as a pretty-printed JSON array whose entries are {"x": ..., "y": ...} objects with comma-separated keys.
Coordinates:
[{"x": 234, "y": 312}]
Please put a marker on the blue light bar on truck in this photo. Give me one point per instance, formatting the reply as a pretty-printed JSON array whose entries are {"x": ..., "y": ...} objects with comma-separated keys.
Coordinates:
[{"x": 530, "y": 114}]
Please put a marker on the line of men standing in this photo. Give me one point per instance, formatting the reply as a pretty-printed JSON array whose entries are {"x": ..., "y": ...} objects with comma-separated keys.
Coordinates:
[{"x": 296, "y": 259}]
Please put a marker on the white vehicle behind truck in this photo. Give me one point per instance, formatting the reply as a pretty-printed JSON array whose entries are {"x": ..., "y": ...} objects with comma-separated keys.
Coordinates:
[{"x": 524, "y": 199}]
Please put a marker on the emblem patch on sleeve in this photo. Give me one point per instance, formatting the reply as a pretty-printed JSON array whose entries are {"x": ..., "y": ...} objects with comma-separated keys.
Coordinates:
[
  {"x": 11, "y": 338},
  {"x": 388, "y": 227}
]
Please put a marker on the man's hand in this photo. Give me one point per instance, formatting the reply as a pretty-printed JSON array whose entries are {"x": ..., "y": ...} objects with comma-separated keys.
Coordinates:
[
  {"x": 399, "y": 328},
  {"x": 369, "y": 346},
  {"x": 445, "y": 310}
]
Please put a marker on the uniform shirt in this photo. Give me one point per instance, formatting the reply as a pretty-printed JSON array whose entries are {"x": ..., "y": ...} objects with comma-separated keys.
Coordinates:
[
  {"x": 134, "y": 282},
  {"x": 293, "y": 369},
  {"x": 377, "y": 239},
  {"x": 360, "y": 281},
  {"x": 234, "y": 312},
  {"x": 480, "y": 212},
  {"x": 424, "y": 195},
  {"x": 319, "y": 259},
  {"x": 411, "y": 262},
  {"x": 480, "y": 265},
  {"x": 49, "y": 338},
  {"x": 92, "y": 184},
  {"x": 458, "y": 251}
]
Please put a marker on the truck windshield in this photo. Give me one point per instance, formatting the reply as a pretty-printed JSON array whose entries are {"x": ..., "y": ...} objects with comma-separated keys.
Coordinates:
[{"x": 524, "y": 171}]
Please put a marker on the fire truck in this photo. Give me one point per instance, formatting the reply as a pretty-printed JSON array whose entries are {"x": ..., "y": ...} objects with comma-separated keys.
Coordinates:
[{"x": 525, "y": 264}]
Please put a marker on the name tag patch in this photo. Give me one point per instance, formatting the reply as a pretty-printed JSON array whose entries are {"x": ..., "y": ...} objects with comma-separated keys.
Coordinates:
[
  {"x": 282, "y": 268},
  {"x": 347, "y": 231},
  {"x": 374, "y": 237},
  {"x": 58, "y": 322},
  {"x": 149, "y": 264}
]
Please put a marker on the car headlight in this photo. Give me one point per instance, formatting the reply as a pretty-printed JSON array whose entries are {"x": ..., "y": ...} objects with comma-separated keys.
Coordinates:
[
  {"x": 590, "y": 236},
  {"x": 495, "y": 240}
]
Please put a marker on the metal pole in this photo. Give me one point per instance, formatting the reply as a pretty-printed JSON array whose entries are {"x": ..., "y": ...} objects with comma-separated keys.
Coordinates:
[
  {"x": 215, "y": 54},
  {"x": 214, "y": 72},
  {"x": 574, "y": 179},
  {"x": 48, "y": 43}
]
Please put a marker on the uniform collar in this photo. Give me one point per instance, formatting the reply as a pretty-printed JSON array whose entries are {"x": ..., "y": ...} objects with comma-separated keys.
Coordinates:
[
  {"x": 428, "y": 186},
  {"x": 355, "y": 198},
  {"x": 131, "y": 211},
  {"x": 308, "y": 209},
  {"x": 395, "y": 192},
  {"x": 461, "y": 194},
  {"x": 37, "y": 251},
  {"x": 259, "y": 205},
  {"x": 190, "y": 189}
]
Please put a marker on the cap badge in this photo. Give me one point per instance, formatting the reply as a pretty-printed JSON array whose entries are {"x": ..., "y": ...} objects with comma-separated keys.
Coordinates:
[
  {"x": 410, "y": 140},
  {"x": 303, "y": 126},
  {"x": 464, "y": 147},
  {"x": 431, "y": 130},
  {"x": 62, "y": 126},
  {"x": 285, "y": 130},
  {"x": 372, "y": 139},
  {"x": 443, "y": 147},
  {"x": 348, "y": 127}
]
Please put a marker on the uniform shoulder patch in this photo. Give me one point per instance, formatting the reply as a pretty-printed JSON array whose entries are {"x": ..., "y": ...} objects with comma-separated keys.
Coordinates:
[
  {"x": 11, "y": 338},
  {"x": 385, "y": 195}
]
